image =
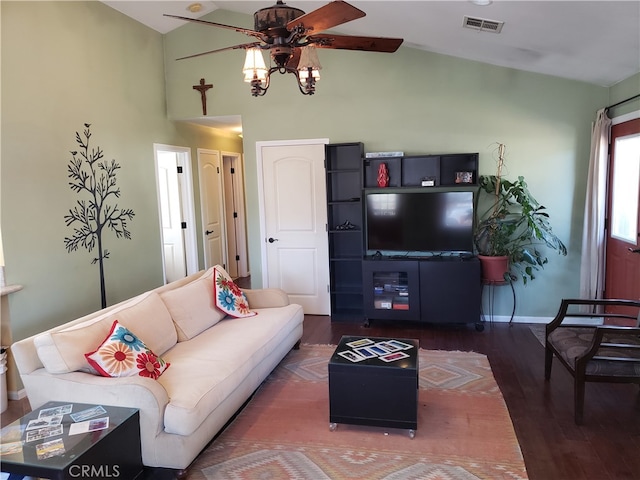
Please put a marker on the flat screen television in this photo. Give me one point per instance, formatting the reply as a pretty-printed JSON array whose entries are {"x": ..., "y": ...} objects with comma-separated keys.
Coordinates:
[{"x": 419, "y": 222}]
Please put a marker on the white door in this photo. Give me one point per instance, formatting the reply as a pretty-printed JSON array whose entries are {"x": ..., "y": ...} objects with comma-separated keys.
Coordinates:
[
  {"x": 171, "y": 217},
  {"x": 295, "y": 219},
  {"x": 176, "y": 211},
  {"x": 211, "y": 198}
]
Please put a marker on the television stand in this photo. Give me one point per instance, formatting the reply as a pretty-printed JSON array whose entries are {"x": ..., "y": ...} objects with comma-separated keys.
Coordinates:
[
  {"x": 405, "y": 257},
  {"x": 436, "y": 257},
  {"x": 444, "y": 291}
]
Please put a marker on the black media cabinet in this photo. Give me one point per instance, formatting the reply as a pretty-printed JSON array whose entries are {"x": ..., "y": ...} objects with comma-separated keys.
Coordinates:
[{"x": 440, "y": 289}]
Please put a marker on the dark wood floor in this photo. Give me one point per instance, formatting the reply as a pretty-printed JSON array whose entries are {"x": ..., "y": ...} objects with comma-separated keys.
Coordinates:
[{"x": 606, "y": 447}]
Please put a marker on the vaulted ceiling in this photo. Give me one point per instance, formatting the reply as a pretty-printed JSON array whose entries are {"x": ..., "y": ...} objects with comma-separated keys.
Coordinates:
[{"x": 592, "y": 41}]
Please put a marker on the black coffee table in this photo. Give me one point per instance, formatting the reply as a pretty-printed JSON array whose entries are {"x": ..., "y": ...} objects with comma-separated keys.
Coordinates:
[
  {"x": 372, "y": 391},
  {"x": 113, "y": 452}
]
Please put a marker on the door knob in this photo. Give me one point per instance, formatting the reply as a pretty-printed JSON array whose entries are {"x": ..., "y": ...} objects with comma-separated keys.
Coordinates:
[
  {"x": 207, "y": 232},
  {"x": 634, "y": 250},
  {"x": 271, "y": 239}
]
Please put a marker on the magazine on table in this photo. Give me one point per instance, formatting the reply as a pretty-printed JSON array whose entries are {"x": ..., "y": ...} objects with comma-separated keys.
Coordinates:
[
  {"x": 89, "y": 426},
  {"x": 88, "y": 413}
]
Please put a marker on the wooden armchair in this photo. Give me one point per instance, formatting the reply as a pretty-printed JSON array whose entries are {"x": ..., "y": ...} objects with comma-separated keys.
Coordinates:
[{"x": 591, "y": 353}]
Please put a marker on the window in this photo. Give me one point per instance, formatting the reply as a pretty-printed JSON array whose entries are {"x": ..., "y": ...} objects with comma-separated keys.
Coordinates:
[{"x": 625, "y": 189}]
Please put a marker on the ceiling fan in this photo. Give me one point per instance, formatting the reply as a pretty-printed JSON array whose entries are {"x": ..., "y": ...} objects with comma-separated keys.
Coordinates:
[{"x": 291, "y": 36}]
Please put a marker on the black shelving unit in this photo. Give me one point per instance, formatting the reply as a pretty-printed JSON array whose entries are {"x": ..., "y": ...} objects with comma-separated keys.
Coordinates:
[
  {"x": 441, "y": 289},
  {"x": 344, "y": 167},
  {"x": 363, "y": 288},
  {"x": 446, "y": 170}
]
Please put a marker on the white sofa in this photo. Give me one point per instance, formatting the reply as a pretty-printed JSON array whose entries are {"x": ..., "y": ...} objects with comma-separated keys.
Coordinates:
[{"x": 216, "y": 363}]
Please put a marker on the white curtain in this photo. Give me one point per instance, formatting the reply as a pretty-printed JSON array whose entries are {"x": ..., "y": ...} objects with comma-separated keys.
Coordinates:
[{"x": 593, "y": 236}]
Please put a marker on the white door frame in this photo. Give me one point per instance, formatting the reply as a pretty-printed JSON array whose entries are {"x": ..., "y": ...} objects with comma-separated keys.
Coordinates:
[
  {"x": 263, "y": 227},
  {"x": 240, "y": 203},
  {"x": 187, "y": 204}
]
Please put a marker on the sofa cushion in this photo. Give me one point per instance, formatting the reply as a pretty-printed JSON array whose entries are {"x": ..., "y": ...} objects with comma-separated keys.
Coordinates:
[
  {"x": 62, "y": 351},
  {"x": 123, "y": 354},
  {"x": 208, "y": 368},
  {"x": 192, "y": 307},
  {"x": 229, "y": 297}
]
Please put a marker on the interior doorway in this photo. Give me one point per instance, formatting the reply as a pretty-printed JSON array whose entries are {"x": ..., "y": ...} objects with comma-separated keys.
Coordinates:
[
  {"x": 235, "y": 215},
  {"x": 223, "y": 211},
  {"x": 176, "y": 211},
  {"x": 293, "y": 221}
]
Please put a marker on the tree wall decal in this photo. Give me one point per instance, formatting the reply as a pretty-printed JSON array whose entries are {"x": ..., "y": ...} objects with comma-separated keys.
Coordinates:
[{"x": 94, "y": 178}]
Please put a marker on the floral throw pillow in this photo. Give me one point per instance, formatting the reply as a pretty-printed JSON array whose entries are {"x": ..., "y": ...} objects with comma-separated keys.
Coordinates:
[
  {"x": 229, "y": 297},
  {"x": 122, "y": 354}
]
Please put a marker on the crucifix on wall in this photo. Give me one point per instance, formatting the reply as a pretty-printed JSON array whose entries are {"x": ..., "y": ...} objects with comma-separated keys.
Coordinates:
[{"x": 202, "y": 88}]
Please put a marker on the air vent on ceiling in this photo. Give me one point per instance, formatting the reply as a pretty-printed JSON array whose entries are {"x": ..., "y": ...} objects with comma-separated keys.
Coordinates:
[{"x": 482, "y": 24}]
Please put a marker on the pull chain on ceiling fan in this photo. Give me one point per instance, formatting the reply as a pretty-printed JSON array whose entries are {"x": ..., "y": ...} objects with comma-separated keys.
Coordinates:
[{"x": 291, "y": 36}]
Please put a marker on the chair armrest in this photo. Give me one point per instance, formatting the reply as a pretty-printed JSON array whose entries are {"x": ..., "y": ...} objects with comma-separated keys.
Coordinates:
[
  {"x": 568, "y": 302},
  {"x": 266, "y": 297}
]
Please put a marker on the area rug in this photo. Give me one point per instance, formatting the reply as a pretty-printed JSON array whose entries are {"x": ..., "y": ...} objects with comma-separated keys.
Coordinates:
[
  {"x": 464, "y": 429},
  {"x": 539, "y": 331}
]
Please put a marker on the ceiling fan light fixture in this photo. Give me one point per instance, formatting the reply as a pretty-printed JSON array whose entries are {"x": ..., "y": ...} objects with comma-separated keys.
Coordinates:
[
  {"x": 254, "y": 66},
  {"x": 309, "y": 60},
  {"x": 304, "y": 74},
  {"x": 255, "y": 72},
  {"x": 308, "y": 70}
]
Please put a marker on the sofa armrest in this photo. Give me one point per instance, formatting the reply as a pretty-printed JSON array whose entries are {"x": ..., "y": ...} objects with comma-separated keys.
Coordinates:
[
  {"x": 26, "y": 356},
  {"x": 266, "y": 297},
  {"x": 145, "y": 394}
]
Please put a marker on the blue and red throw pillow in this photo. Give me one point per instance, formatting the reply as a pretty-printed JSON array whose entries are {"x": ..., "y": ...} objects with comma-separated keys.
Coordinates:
[
  {"x": 229, "y": 298},
  {"x": 122, "y": 354}
]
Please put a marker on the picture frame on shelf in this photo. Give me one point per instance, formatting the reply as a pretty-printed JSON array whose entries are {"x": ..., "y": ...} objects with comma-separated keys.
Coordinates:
[{"x": 464, "y": 177}]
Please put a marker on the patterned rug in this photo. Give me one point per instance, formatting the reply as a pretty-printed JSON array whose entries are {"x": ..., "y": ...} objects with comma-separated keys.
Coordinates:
[
  {"x": 539, "y": 332},
  {"x": 464, "y": 429}
]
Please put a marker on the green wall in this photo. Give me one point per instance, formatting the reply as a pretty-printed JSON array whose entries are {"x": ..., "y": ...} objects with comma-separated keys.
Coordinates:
[
  {"x": 416, "y": 102},
  {"x": 622, "y": 91},
  {"x": 65, "y": 64}
]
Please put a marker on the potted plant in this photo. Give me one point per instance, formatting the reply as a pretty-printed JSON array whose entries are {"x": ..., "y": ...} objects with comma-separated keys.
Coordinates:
[{"x": 510, "y": 226}]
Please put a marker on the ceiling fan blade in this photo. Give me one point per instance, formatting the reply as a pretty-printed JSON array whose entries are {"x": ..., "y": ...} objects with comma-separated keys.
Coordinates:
[
  {"x": 346, "y": 42},
  {"x": 328, "y": 16},
  {"x": 244, "y": 46},
  {"x": 246, "y": 31}
]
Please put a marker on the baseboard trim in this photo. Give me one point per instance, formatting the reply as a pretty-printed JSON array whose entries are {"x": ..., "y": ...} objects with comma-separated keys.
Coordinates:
[
  {"x": 542, "y": 320},
  {"x": 517, "y": 319},
  {"x": 17, "y": 394}
]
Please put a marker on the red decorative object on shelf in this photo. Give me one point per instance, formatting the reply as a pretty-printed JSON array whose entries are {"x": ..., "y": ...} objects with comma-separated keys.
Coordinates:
[{"x": 383, "y": 175}]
